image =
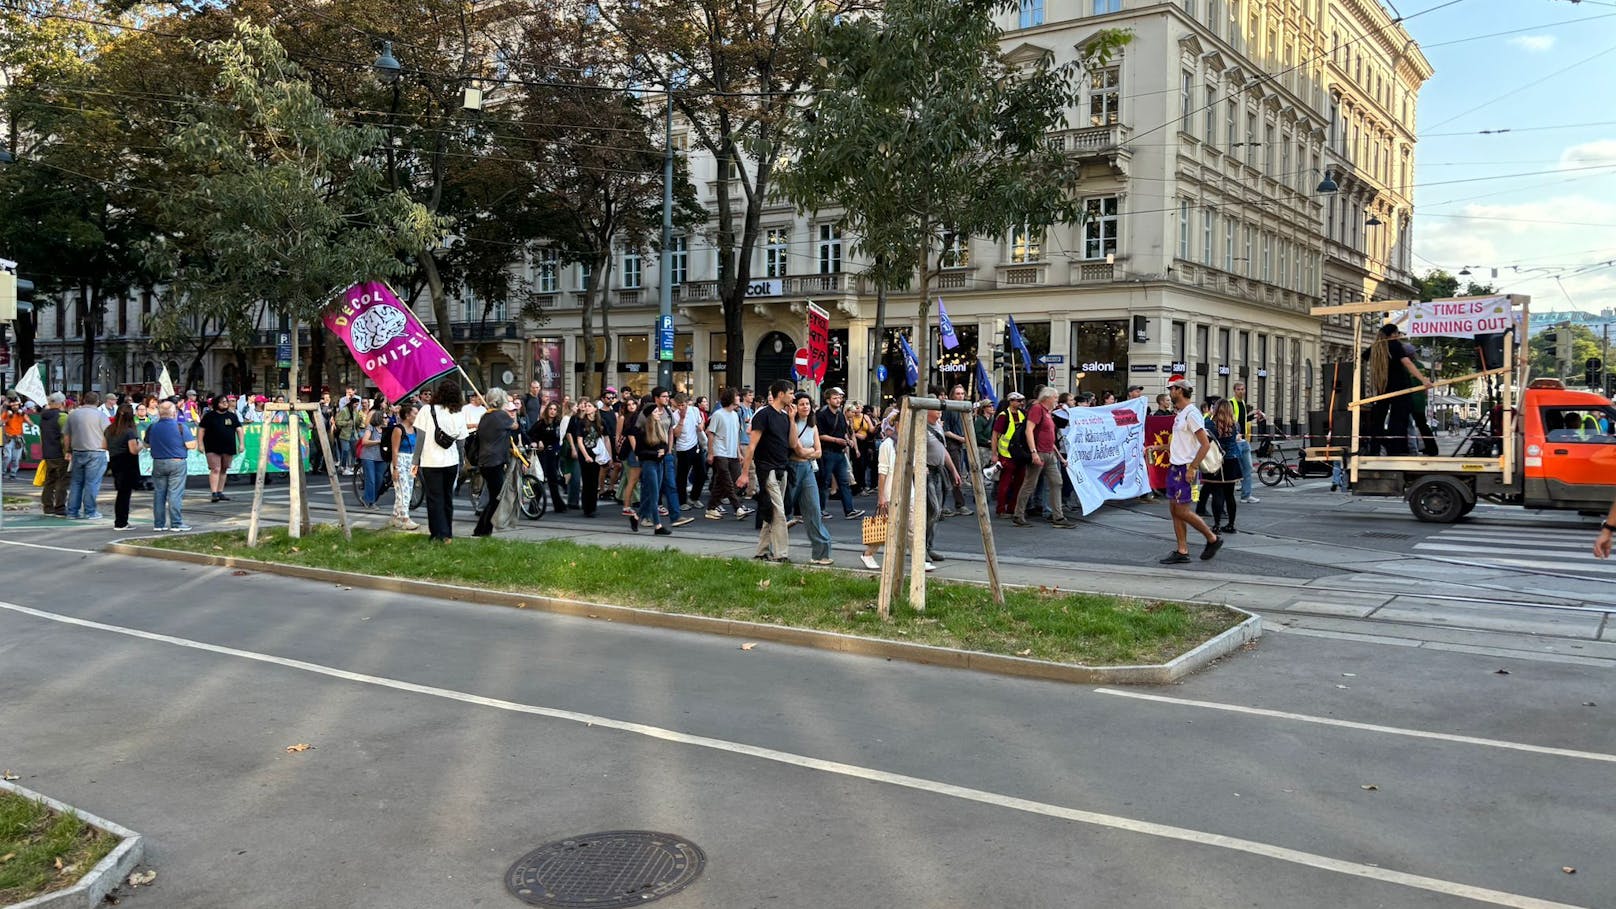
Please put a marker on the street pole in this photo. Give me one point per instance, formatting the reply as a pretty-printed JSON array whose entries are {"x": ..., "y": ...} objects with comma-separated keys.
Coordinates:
[{"x": 665, "y": 267}]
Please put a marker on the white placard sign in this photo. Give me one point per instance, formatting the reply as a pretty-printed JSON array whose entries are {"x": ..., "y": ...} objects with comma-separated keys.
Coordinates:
[{"x": 1105, "y": 452}]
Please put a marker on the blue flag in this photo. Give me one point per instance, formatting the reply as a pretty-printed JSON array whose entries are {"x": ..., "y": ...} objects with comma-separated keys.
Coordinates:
[
  {"x": 1020, "y": 343},
  {"x": 945, "y": 327},
  {"x": 984, "y": 384},
  {"x": 911, "y": 363}
]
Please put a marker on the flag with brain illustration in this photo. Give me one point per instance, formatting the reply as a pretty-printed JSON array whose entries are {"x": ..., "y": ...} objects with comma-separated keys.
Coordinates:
[{"x": 392, "y": 347}]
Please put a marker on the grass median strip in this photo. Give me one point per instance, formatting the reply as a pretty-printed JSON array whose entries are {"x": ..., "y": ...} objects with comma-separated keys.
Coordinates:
[
  {"x": 1092, "y": 629},
  {"x": 41, "y": 850}
]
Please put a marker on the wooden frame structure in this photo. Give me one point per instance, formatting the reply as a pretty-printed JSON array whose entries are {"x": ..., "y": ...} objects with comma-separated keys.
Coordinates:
[
  {"x": 1512, "y": 375},
  {"x": 297, "y": 521},
  {"x": 906, "y": 533}
]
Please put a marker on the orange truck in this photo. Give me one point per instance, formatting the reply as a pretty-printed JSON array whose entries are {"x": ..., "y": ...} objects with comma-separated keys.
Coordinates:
[{"x": 1546, "y": 446}]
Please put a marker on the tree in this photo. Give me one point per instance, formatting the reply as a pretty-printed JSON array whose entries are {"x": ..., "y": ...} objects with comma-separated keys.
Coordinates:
[
  {"x": 1454, "y": 356},
  {"x": 275, "y": 198},
  {"x": 738, "y": 68},
  {"x": 919, "y": 124}
]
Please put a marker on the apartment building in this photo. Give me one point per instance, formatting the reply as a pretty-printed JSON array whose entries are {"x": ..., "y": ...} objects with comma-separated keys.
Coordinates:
[{"x": 1373, "y": 77}]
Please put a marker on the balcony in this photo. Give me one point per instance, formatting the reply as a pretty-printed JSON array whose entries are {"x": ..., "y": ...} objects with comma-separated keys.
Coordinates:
[
  {"x": 482, "y": 331},
  {"x": 1094, "y": 273},
  {"x": 1101, "y": 142},
  {"x": 1029, "y": 274},
  {"x": 833, "y": 284}
]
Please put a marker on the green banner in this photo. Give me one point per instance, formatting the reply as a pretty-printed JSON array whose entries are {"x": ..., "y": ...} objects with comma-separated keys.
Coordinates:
[{"x": 246, "y": 461}]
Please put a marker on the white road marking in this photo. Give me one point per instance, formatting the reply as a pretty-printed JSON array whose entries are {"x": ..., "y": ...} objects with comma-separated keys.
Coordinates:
[
  {"x": 43, "y": 546},
  {"x": 1366, "y": 727},
  {"x": 1109, "y": 821}
]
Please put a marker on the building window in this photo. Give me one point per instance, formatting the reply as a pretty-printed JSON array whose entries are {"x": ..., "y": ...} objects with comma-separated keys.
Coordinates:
[
  {"x": 1285, "y": 175},
  {"x": 1251, "y": 139},
  {"x": 956, "y": 251},
  {"x": 1284, "y": 262},
  {"x": 1032, "y": 13},
  {"x": 776, "y": 248},
  {"x": 1267, "y": 258},
  {"x": 1026, "y": 244},
  {"x": 1206, "y": 235},
  {"x": 1183, "y": 230},
  {"x": 583, "y": 275},
  {"x": 1105, "y": 93},
  {"x": 830, "y": 248},
  {"x": 1186, "y": 99},
  {"x": 1228, "y": 244},
  {"x": 1232, "y": 118},
  {"x": 1251, "y": 266},
  {"x": 1189, "y": 7},
  {"x": 1178, "y": 342},
  {"x": 1211, "y": 115},
  {"x": 631, "y": 268},
  {"x": 545, "y": 271},
  {"x": 1099, "y": 227},
  {"x": 1270, "y": 143},
  {"x": 678, "y": 260},
  {"x": 1102, "y": 7}
]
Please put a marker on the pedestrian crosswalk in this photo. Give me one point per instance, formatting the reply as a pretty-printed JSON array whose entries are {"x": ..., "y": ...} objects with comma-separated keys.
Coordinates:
[{"x": 1559, "y": 548}]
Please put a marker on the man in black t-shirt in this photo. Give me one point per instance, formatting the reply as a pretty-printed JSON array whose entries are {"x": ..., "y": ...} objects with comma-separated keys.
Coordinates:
[
  {"x": 769, "y": 450},
  {"x": 220, "y": 437}
]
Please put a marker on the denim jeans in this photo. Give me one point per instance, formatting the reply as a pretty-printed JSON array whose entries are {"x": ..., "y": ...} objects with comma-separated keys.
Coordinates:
[
  {"x": 168, "y": 492},
  {"x": 670, "y": 483},
  {"x": 1243, "y": 452},
  {"x": 84, "y": 482},
  {"x": 13, "y": 456},
  {"x": 374, "y": 471},
  {"x": 833, "y": 466},
  {"x": 654, "y": 487},
  {"x": 808, "y": 499}
]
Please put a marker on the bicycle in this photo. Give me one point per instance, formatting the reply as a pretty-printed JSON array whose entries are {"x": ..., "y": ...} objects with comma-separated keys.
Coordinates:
[
  {"x": 417, "y": 492},
  {"x": 530, "y": 498},
  {"x": 1278, "y": 468}
]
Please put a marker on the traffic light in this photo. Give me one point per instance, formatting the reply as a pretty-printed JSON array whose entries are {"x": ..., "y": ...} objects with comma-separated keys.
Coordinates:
[
  {"x": 1591, "y": 372},
  {"x": 998, "y": 361}
]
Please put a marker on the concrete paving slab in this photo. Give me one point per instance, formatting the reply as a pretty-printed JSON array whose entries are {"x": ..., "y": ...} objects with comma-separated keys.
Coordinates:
[{"x": 1491, "y": 617}]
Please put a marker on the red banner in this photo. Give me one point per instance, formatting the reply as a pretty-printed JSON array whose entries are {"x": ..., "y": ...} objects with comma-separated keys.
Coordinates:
[
  {"x": 818, "y": 342},
  {"x": 1158, "y": 432}
]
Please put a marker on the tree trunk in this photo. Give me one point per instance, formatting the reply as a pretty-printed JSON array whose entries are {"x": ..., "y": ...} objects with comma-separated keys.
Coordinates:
[
  {"x": 440, "y": 302},
  {"x": 923, "y": 333},
  {"x": 878, "y": 354},
  {"x": 317, "y": 346},
  {"x": 87, "y": 330},
  {"x": 27, "y": 328}
]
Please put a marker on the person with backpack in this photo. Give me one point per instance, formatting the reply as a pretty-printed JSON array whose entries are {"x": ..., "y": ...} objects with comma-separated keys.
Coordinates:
[
  {"x": 1039, "y": 433},
  {"x": 1011, "y": 451},
  {"x": 401, "y": 439}
]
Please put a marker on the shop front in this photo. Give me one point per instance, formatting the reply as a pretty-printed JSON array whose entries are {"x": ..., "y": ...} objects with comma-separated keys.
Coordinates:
[{"x": 1100, "y": 357}]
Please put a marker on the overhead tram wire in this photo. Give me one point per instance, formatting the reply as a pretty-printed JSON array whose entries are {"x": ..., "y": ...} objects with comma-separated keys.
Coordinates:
[{"x": 1518, "y": 89}]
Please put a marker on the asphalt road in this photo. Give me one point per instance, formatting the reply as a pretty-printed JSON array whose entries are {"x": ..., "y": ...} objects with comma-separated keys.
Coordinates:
[{"x": 450, "y": 739}]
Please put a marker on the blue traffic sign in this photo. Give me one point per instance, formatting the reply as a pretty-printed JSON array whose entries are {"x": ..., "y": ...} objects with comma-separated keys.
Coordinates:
[
  {"x": 665, "y": 338},
  {"x": 1052, "y": 359},
  {"x": 881, "y": 373}
]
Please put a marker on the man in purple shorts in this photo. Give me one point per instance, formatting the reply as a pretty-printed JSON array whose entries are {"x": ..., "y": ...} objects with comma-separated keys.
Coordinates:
[{"x": 1188, "y": 445}]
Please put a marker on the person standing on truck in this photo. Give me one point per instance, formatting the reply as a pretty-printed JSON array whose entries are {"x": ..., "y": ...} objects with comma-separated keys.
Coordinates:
[{"x": 1391, "y": 368}]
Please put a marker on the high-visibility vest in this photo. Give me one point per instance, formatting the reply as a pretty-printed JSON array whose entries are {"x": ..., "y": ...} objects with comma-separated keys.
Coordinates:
[
  {"x": 1013, "y": 418},
  {"x": 1242, "y": 413}
]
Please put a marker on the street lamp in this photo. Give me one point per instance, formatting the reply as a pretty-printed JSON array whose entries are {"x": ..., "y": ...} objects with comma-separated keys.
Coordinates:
[
  {"x": 1374, "y": 220},
  {"x": 1328, "y": 184},
  {"x": 387, "y": 67}
]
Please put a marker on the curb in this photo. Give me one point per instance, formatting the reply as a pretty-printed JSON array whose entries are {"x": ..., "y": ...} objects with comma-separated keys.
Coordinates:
[
  {"x": 96, "y": 883},
  {"x": 1197, "y": 658}
]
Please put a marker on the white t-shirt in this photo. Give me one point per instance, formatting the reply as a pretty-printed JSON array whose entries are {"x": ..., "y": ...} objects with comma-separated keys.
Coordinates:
[
  {"x": 725, "y": 425},
  {"x": 885, "y": 462},
  {"x": 689, "y": 429},
  {"x": 1185, "y": 445},
  {"x": 473, "y": 414},
  {"x": 426, "y": 443}
]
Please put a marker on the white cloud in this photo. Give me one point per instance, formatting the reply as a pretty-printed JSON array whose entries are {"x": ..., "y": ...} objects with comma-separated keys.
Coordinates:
[
  {"x": 1535, "y": 44},
  {"x": 1590, "y": 154},
  {"x": 1529, "y": 243}
]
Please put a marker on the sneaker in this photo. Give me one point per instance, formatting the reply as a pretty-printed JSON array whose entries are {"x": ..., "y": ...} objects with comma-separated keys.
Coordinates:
[
  {"x": 663, "y": 531},
  {"x": 1212, "y": 549},
  {"x": 745, "y": 512},
  {"x": 215, "y": 497},
  {"x": 634, "y": 523},
  {"x": 714, "y": 514},
  {"x": 662, "y": 510},
  {"x": 870, "y": 562},
  {"x": 1250, "y": 500},
  {"x": 855, "y": 514},
  {"x": 947, "y": 513},
  {"x": 411, "y": 525},
  {"x": 930, "y": 567},
  {"x": 793, "y": 523},
  {"x": 683, "y": 521},
  {"x": 124, "y": 528},
  {"x": 824, "y": 515},
  {"x": 160, "y": 529},
  {"x": 628, "y": 512},
  {"x": 1020, "y": 521},
  {"x": 1175, "y": 558},
  {"x": 965, "y": 512},
  {"x": 825, "y": 561},
  {"x": 935, "y": 557},
  {"x": 183, "y": 528},
  {"x": 1064, "y": 525}
]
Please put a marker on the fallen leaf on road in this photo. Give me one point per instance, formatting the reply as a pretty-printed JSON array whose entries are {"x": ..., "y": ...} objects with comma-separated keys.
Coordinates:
[
  {"x": 521, "y": 605},
  {"x": 1349, "y": 675},
  {"x": 748, "y": 645},
  {"x": 299, "y": 747},
  {"x": 58, "y": 863},
  {"x": 1027, "y": 652},
  {"x": 1369, "y": 787},
  {"x": 1569, "y": 870},
  {"x": 142, "y": 878},
  {"x": 239, "y": 574},
  {"x": 1589, "y": 704},
  {"x": 763, "y": 584},
  {"x": 8, "y": 776},
  {"x": 1500, "y": 672},
  {"x": 295, "y": 549},
  {"x": 218, "y": 549},
  {"x": 7, "y": 857}
]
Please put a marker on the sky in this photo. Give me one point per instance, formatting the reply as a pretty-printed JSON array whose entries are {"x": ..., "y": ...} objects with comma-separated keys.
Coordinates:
[{"x": 1537, "y": 203}]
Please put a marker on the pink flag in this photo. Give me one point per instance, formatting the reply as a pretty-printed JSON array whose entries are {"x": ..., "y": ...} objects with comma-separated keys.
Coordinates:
[{"x": 389, "y": 343}]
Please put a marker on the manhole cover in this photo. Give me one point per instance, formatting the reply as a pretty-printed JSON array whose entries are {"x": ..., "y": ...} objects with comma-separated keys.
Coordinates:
[
  {"x": 1385, "y": 535},
  {"x": 605, "y": 870}
]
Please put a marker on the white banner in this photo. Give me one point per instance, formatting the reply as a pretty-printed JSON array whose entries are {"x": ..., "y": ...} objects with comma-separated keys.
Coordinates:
[
  {"x": 1105, "y": 452},
  {"x": 1459, "y": 318}
]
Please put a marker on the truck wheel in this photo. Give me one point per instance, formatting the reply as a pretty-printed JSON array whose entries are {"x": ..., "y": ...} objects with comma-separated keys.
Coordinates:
[
  {"x": 1468, "y": 508},
  {"x": 1437, "y": 501}
]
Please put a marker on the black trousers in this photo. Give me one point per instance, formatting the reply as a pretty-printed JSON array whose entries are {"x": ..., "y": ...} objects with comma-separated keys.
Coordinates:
[
  {"x": 493, "y": 485},
  {"x": 591, "y": 490},
  {"x": 690, "y": 467},
  {"x": 125, "y": 477},
  {"x": 550, "y": 461},
  {"x": 438, "y": 484},
  {"x": 1223, "y": 499}
]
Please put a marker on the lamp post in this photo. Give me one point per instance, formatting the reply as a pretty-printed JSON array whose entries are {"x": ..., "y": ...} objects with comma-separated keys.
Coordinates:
[{"x": 665, "y": 336}]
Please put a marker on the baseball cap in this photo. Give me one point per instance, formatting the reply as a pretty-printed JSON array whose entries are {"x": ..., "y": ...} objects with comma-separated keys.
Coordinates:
[
  {"x": 835, "y": 391},
  {"x": 1181, "y": 382},
  {"x": 1136, "y": 388},
  {"x": 1015, "y": 396},
  {"x": 610, "y": 390}
]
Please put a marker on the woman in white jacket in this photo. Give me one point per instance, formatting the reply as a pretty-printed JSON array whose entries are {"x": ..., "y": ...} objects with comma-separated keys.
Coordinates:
[{"x": 440, "y": 464}]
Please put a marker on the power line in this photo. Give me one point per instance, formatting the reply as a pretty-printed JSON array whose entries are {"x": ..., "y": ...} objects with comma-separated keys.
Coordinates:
[{"x": 1517, "y": 90}]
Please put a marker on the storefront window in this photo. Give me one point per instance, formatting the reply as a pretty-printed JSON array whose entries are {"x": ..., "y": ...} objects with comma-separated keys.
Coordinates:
[
  {"x": 684, "y": 365},
  {"x": 717, "y": 351},
  {"x": 957, "y": 366},
  {"x": 634, "y": 371},
  {"x": 1017, "y": 378},
  {"x": 890, "y": 355},
  {"x": 1100, "y": 356}
]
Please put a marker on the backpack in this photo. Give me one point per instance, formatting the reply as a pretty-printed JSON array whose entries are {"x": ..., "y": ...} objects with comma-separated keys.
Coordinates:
[
  {"x": 1020, "y": 451},
  {"x": 387, "y": 441},
  {"x": 471, "y": 448}
]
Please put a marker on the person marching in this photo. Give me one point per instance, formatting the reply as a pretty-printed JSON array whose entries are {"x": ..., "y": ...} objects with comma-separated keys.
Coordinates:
[{"x": 1186, "y": 449}]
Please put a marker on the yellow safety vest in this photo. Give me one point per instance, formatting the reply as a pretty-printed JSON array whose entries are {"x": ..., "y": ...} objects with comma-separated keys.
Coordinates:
[{"x": 1013, "y": 418}]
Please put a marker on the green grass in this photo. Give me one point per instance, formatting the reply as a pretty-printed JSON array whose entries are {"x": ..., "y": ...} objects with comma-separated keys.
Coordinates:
[
  {"x": 1055, "y": 625},
  {"x": 41, "y": 850},
  {"x": 16, "y": 500}
]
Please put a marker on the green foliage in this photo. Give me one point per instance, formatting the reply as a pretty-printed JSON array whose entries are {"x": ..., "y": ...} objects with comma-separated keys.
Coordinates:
[
  {"x": 1055, "y": 625},
  {"x": 276, "y": 199},
  {"x": 1454, "y": 356},
  {"x": 921, "y": 124},
  {"x": 34, "y": 839},
  {"x": 1544, "y": 349}
]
